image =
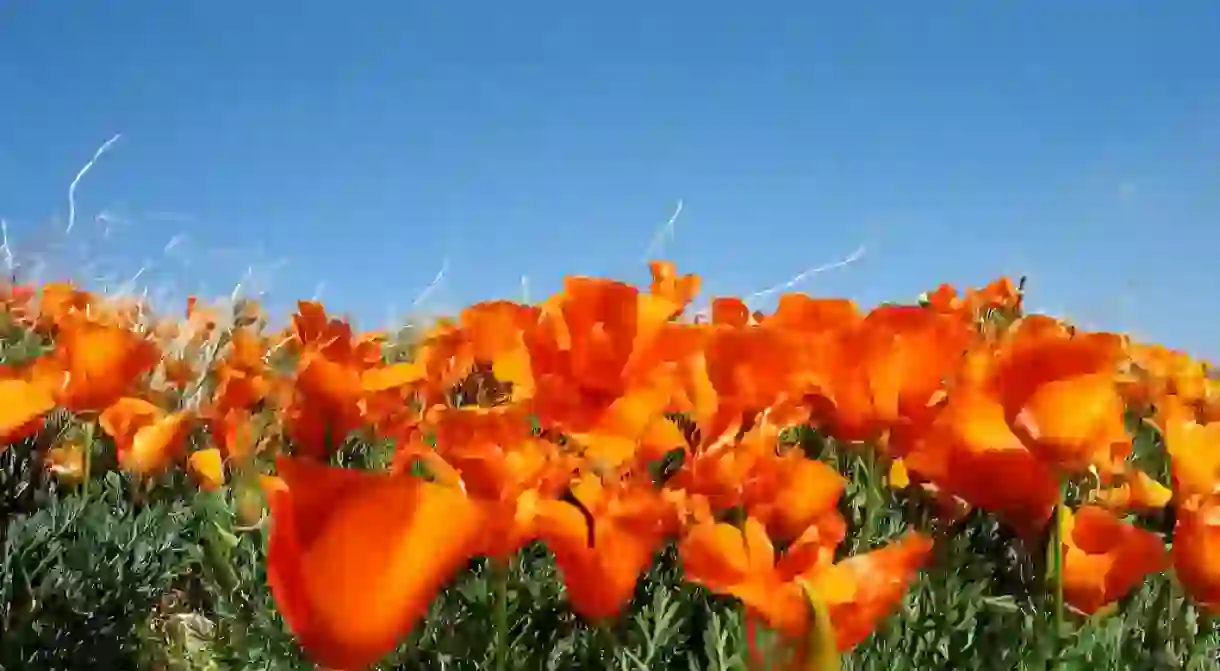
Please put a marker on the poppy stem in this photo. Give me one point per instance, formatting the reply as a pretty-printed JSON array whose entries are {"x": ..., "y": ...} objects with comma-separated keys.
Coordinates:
[
  {"x": 821, "y": 651},
  {"x": 500, "y": 577},
  {"x": 873, "y": 502},
  {"x": 87, "y": 459},
  {"x": 1054, "y": 553}
]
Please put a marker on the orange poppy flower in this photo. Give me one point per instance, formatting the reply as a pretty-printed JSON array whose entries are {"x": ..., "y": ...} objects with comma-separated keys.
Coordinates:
[
  {"x": 325, "y": 407},
  {"x": 1038, "y": 349},
  {"x": 1162, "y": 371},
  {"x": 1001, "y": 293},
  {"x": 392, "y": 376},
  {"x": 971, "y": 452},
  {"x": 325, "y": 403},
  {"x": 1209, "y": 410},
  {"x": 179, "y": 372},
  {"x": 355, "y": 558},
  {"x": 241, "y": 376},
  {"x": 885, "y": 372},
  {"x": 807, "y": 315},
  {"x": 741, "y": 562},
  {"x": 633, "y": 425},
  {"x": 1039, "y": 369},
  {"x": 1104, "y": 558},
  {"x": 16, "y": 299},
  {"x": 730, "y": 311},
  {"x": 858, "y": 591},
  {"x": 944, "y": 299},
  {"x": 718, "y": 476}
]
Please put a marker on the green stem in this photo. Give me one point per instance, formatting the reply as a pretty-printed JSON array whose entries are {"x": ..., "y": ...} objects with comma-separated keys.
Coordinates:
[
  {"x": 821, "y": 653},
  {"x": 872, "y": 497},
  {"x": 500, "y": 579},
  {"x": 607, "y": 644},
  {"x": 1054, "y": 552},
  {"x": 87, "y": 459}
]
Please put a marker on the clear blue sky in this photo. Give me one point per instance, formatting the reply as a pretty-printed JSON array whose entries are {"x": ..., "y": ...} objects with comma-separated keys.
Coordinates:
[{"x": 363, "y": 143}]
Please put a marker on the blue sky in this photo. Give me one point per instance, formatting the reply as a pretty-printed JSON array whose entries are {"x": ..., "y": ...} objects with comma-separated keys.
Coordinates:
[{"x": 360, "y": 145}]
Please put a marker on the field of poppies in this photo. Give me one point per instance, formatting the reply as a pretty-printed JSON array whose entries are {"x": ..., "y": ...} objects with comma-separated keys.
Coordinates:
[{"x": 607, "y": 479}]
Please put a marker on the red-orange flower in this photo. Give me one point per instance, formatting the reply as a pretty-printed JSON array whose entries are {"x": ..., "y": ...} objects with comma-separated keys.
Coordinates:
[
  {"x": 325, "y": 401},
  {"x": 971, "y": 452},
  {"x": 241, "y": 376},
  {"x": 99, "y": 362},
  {"x": 883, "y": 374}
]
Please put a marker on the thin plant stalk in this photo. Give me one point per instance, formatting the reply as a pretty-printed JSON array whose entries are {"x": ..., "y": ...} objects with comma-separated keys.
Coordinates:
[
  {"x": 1054, "y": 555},
  {"x": 500, "y": 577},
  {"x": 873, "y": 500},
  {"x": 87, "y": 458}
]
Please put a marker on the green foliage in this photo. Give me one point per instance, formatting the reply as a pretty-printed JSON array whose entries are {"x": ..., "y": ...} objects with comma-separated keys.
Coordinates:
[
  {"x": 80, "y": 578},
  {"x": 18, "y": 344},
  {"x": 248, "y": 633},
  {"x": 670, "y": 624}
]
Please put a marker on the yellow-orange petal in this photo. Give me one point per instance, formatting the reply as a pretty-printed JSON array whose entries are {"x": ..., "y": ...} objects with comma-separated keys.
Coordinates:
[
  {"x": 714, "y": 554},
  {"x": 207, "y": 466},
  {"x": 1196, "y": 554},
  {"x": 1105, "y": 558},
  {"x": 22, "y": 405},
  {"x": 1140, "y": 492},
  {"x": 392, "y": 376},
  {"x": 67, "y": 462},
  {"x": 155, "y": 446},
  {"x": 270, "y": 485},
  {"x": 862, "y": 590},
  {"x": 1194, "y": 451},
  {"x": 123, "y": 418},
  {"x": 1068, "y": 418},
  {"x": 899, "y": 477}
]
